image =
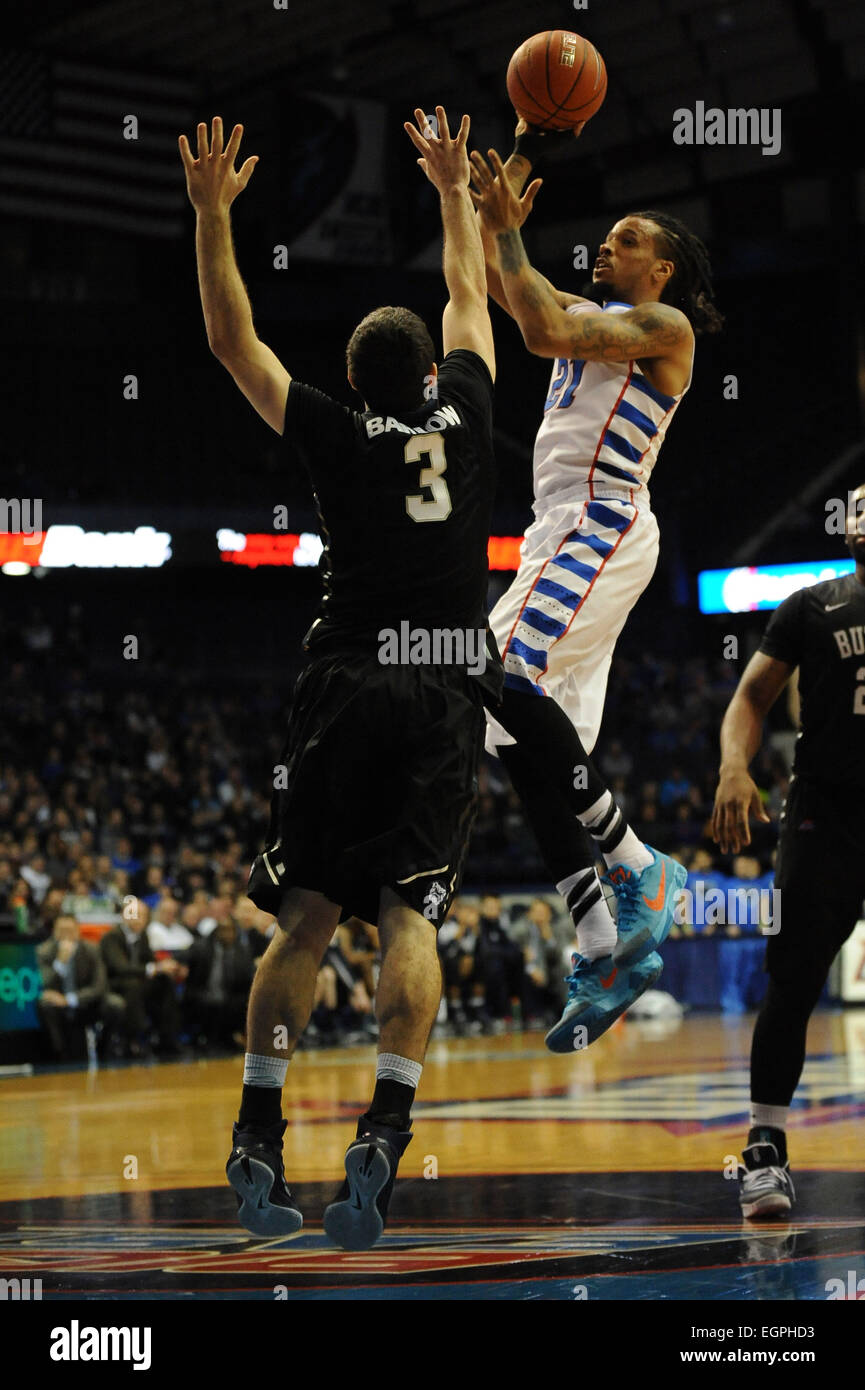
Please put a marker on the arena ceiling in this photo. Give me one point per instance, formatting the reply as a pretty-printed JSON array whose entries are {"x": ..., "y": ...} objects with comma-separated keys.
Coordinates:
[{"x": 659, "y": 52}]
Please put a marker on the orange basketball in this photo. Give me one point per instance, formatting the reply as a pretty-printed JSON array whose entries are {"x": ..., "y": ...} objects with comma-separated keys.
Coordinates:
[{"x": 556, "y": 80}]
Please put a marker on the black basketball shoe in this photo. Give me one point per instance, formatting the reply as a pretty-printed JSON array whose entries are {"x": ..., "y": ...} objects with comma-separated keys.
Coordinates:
[
  {"x": 254, "y": 1168},
  {"x": 765, "y": 1185},
  {"x": 357, "y": 1215}
]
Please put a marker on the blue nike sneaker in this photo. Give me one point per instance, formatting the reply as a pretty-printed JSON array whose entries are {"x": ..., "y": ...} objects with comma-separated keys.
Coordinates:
[
  {"x": 646, "y": 904},
  {"x": 599, "y": 992}
]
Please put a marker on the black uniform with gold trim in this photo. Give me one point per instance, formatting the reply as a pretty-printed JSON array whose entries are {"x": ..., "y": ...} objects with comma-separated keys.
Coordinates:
[{"x": 379, "y": 773}]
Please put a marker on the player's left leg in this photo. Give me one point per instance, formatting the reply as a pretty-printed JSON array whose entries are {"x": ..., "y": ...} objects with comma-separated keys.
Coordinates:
[
  {"x": 280, "y": 1004},
  {"x": 557, "y": 627},
  {"x": 820, "y": 880},
  {"x": 407, "y": 1002},
  {"x": 599, "y": 991}
]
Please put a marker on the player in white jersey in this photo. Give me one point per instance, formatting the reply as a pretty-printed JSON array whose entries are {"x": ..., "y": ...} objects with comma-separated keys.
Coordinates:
[{"x": 619, "y": 373}]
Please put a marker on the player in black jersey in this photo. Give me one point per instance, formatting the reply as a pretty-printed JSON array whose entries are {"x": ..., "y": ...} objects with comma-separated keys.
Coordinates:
[
  {"x": 820, "y": 870},
  {"x": 372, "y": 811}
]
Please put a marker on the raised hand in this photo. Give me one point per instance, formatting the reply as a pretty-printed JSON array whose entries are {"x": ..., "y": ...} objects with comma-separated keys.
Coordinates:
[
  {"x": 212, "y": 181},
  {"x": 443, "y": 158},
  {"x": 492, "y": 193}
]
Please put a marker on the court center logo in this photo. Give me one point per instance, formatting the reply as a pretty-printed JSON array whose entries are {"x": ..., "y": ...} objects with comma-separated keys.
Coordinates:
[{"x": 433, "y": 646}]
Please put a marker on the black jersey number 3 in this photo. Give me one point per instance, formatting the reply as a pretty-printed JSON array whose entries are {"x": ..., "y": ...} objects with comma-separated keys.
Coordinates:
[{"x": 437, "y": 507}]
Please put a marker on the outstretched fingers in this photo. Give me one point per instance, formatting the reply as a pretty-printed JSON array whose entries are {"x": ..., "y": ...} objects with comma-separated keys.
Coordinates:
[
  {"x": 481, "y": 172},
  {"x": 234, "y": 144},
  {"x": 530, "y": 194},
  {"x": 414, "y": 133},
  {"x": 495, "y": 161},
  {"x": 185, "y": 152}
]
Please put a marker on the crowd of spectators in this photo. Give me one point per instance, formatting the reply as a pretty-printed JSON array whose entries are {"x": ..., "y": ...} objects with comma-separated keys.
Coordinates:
[{"x": 138, "y": 800}]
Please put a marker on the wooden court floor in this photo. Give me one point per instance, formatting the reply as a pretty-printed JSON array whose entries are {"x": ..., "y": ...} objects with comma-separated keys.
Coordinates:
[{"x": 600, "y": 1175}]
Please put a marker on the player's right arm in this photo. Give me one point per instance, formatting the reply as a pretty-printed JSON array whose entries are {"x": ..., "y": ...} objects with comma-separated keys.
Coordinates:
[
  {"x": 741, "y": 735},
  {"x": 213, "y": 183},
  {"x": 466, "y": 319},
  {"x": 517, "y": 168}
]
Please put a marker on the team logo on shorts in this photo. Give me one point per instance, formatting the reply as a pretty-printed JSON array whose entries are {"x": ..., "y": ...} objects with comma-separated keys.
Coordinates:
[{"x": 433, "y": 900}]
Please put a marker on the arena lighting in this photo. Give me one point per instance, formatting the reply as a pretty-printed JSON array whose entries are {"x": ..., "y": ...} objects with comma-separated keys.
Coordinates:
[
  {"x": 268, "y": 548},
  {"x": 64, "y": 547},
  {"x": 281, "y": 548},
  {"x": 753, "y": 587}
]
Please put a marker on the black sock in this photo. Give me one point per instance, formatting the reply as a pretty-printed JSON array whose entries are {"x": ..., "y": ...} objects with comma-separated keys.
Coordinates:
[
  {"x": 768, "y": 1134},
  {"x": 391, "y": 1103},
  {"x": 260, "y": 1105}
]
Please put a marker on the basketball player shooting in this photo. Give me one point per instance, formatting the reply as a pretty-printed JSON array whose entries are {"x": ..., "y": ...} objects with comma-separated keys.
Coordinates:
[
  {"x": 381, "y": 759},
  {"x": 619, "y": 373},
  {"x": 820, "y": 871}
]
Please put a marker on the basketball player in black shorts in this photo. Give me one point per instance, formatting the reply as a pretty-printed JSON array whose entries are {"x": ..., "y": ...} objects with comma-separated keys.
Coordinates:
[
  {"x": 821, "y": 867},
  {"x": 373, "y": 809}
]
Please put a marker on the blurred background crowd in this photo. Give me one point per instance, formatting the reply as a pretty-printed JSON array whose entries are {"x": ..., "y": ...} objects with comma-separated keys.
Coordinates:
[{"x": 132, "y": 804}]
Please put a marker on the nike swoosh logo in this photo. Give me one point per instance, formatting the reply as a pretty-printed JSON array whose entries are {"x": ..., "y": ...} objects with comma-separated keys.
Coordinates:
[
  {"x": 610, "y": 978},
  {"x": 830, "y": 607},
  {"x": 657, "y": 903}
]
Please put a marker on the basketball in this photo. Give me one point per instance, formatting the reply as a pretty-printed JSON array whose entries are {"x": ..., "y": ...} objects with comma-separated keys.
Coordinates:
[{"x": 556, "y": 80}]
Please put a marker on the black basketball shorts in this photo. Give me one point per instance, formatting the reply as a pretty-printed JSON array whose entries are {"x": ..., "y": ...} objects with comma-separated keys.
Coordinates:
[{"x": 376, "y": 787}]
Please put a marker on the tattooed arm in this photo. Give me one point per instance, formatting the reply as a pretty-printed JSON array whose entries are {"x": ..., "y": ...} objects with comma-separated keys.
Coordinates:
[
  {"x": 517, "y": 169},
  {"x": 648, "y": 330},
  {"x": 491, "y": 196}
]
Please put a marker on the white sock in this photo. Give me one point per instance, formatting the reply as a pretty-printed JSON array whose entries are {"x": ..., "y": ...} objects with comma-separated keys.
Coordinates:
[
  {"x": 596, "y": 930},
  {"x": 390, "y": 1066},
  {"x": 775, "y": 1116},
  {"x": 613, "y": 836},
  {"x": 264, "y": 1071}
]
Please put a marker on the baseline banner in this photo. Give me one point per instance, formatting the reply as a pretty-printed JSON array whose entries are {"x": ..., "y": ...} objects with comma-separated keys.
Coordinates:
[{"x": 20, "y": 986}]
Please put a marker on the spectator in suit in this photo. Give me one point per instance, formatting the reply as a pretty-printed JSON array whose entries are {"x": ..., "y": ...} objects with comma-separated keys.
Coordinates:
[
  {"x": 146, "y": 985},
  {"x": 74, "y": 990},
  {"x": 221, "y": 968}
]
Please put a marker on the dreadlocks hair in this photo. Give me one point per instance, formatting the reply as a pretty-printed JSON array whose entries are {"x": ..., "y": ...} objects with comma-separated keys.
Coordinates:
[{"x": 690, "y": 287}]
